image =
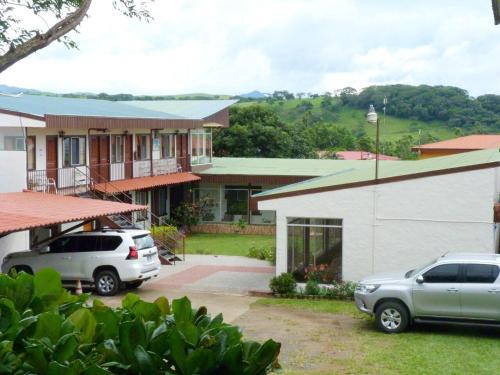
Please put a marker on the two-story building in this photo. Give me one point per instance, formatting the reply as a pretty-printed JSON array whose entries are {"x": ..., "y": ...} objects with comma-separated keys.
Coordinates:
[{"x": 136, "y": 152}]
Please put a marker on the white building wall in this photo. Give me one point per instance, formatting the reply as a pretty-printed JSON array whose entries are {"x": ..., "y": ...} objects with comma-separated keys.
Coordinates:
[{"x": 403, "y": 224}]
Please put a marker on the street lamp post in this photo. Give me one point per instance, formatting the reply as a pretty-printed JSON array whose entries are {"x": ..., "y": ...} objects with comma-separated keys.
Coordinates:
[{"x": 372, "y": 118}]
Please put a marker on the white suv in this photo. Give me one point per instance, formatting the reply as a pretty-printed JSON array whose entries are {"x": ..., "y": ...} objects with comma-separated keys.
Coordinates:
[{"x": 108, "y": 259}]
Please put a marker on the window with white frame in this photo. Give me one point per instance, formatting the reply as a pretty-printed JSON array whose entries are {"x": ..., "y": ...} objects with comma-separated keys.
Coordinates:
[
  {"x": 13, "y": 143},
  {"x": 167, "y": 146},
  {"x": 201, "y": 147},
  {"x": 74, "y": 151},
  {"x": 117, "y": 149}
]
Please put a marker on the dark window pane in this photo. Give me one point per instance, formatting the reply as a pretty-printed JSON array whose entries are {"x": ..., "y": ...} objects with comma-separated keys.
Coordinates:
[
  {"x": 481, "y": 273},
  {"x": 110, "y": 243},
  {"x": 64, "y": 245},
  {"x": 88, "y": 243},
  {"x": 446, "y": 273}
]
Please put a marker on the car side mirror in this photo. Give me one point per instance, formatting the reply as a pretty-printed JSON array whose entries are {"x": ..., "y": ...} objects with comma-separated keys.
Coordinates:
[
  {"x": 420, "y": 279},
  {"x": 44, "y": 250}
]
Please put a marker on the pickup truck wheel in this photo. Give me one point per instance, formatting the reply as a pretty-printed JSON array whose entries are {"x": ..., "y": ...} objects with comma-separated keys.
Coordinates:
[
  {"x": 107, "y": 283},
  {"x": 133, "y": 284},
  {"x": 392, "y": 317}
]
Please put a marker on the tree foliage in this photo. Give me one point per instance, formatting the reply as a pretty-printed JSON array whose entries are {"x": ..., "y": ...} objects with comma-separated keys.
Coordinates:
[
  {"x": 27, "y": 26},
  {"x": 452, "y": 105}
]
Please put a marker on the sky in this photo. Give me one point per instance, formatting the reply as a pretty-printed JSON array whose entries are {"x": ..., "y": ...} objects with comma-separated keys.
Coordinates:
[{"x": 236, "y": 46}]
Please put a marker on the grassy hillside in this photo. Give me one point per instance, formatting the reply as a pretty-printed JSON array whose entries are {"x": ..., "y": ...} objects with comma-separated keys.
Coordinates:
[{"x": 295, "y": 111}]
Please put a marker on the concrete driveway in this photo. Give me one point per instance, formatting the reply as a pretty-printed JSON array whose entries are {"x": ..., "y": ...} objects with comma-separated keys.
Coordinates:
[{"x": 221, "y": 283}]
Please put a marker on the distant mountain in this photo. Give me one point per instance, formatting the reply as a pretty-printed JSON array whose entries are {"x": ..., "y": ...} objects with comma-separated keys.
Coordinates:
[
  {"x": 254, "y": 95},
  {"x": 4, "y": 89}
]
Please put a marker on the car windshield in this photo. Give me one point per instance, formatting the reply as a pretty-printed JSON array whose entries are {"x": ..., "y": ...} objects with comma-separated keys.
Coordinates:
[{"x": 411, "y": 273}]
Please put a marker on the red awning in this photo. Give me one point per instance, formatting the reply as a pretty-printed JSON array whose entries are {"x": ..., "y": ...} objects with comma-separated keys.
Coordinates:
[
  {"x": 28, "y": 210},
  {"x": 142, "y": 183}
]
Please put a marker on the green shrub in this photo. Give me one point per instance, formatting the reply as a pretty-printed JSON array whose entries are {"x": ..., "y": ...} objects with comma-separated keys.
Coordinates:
[
  {"x": 46, "y": 330},
  {"x": 283, "y": 284},
  {"x": 168, "y": 235},
  {"x": 312, "y": 288},
  {"x": 263, "y": 253},
  {"x": 346, "y": 290}
]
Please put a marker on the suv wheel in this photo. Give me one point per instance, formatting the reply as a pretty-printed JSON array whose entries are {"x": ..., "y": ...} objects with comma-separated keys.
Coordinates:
[
  {"x": 392, "y": 317},
  {"x": 107, "y": 283}
]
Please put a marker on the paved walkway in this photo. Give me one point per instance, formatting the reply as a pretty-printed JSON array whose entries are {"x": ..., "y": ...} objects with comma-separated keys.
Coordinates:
[{"x": 221, "y": 283}]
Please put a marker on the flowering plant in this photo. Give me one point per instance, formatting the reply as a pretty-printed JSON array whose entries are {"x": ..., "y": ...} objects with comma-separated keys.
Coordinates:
[{"x": 320, "y": 273}]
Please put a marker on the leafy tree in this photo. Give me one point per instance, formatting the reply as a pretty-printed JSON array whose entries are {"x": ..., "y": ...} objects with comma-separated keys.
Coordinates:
[{"x": 18, "y": 39}]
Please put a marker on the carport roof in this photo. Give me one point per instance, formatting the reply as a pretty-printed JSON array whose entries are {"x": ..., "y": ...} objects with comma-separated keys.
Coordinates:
[
  {"x": 388, "y": 172},
  {"x": 28, "y": 210},
  {"x": 142, "y": 183}
]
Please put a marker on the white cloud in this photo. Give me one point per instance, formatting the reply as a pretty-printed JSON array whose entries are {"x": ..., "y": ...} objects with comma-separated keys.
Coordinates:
[{"x": 224, "y": 46}]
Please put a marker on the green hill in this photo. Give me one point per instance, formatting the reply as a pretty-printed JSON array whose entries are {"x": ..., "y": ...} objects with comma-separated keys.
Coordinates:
[{"x": 298, "y": 111}]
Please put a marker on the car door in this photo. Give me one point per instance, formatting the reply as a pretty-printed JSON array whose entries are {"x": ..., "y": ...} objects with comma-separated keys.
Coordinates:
[
  {"x": 438, "y": 294},
  {"x": 85, "y": 259},
  {"x": 60, "y": 256},
  {"x": 480, "y": 292}
]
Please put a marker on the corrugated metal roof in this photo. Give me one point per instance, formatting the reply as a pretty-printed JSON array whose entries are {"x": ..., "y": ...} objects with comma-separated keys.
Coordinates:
[
  {"x": 280, "y": 167},
  {"x": 192, "y": 109},
  {"x": 27, "y": 210},
  {"x": 469, "y": 142},
  {"x": 50, "y": 105},
  {"x": 389, "y": 169},
  {"x": 145, "y": 182}
]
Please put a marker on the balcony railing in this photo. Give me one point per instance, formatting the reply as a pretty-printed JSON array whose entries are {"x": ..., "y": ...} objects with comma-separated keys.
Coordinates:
[
  {"x": 69, "y": 180},
  {"x": 77, "y": 179}
]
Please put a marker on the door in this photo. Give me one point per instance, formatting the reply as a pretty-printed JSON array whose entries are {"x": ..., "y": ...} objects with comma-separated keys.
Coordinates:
[
  {"x": 99, "y": 158},
  {"x": 104, "y": 158},
  {"x": 182, "y": 152},
  {"x": 439, "y": 294},
  {"x": 129, "y": 153},
  {"x": 51, "y": 156},
  {"x": 480, "y": 293}
]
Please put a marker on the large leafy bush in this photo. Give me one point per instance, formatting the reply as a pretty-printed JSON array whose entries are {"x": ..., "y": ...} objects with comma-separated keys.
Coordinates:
[{"x": 46, "y": 330}]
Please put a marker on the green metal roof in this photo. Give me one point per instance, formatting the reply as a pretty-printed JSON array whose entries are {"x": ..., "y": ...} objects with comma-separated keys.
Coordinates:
[
  {"x": 281, "y": 167},
  {"x": 389, "y": 169},
  {"x": 192, "y": 109},
  {"x": 53, "y": 105}
]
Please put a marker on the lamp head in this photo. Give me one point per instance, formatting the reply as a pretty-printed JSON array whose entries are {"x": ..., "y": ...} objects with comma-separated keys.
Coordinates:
[{"x": 371, "y": 116}]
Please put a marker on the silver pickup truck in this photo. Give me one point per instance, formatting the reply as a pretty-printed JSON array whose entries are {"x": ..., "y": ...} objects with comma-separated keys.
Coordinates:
[{"x": 455, "y": 288}]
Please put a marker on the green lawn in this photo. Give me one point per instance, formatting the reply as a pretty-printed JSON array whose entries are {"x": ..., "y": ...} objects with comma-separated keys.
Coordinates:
[
  {"x": 421, "y": 350},
  {"x": 225, "y": 244}
]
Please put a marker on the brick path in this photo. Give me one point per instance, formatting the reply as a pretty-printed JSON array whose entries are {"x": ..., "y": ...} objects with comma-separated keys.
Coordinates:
[{"x": 199, "y": 272}]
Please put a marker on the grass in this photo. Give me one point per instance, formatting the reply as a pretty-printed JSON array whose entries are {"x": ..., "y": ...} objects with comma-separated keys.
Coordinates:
[
  {"x": 424, "y": 349},
  {"x": 225, "y": 244}
]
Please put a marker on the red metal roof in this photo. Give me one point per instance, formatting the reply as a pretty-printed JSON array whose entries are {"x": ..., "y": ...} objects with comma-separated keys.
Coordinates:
[
  {"x": 362, "y": 155},
  {"x": 27, "y": 210},
  {"x": 467, "y": 143},
  {"x": 149, "y": 182}
]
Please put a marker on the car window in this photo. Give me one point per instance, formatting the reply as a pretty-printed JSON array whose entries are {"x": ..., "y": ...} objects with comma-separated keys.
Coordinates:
[
  {"x": 87, "y": 243},
  {"x": 143, "y": 242},
  {"x": 444, "y": 273},
  {"x": 481, "y": 273},
  {"x": 110, "y": 243},
  {"x": 63, "y": 245}
]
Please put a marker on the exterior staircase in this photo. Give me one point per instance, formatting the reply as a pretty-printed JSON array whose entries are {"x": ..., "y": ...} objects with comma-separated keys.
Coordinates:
[{"x": 167, "y": 253}]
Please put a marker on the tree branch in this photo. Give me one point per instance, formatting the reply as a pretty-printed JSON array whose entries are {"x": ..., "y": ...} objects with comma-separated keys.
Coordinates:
[{"x": 40, "y": 41}]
